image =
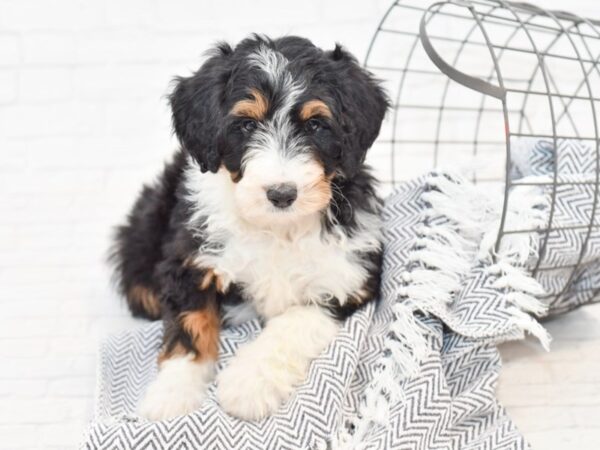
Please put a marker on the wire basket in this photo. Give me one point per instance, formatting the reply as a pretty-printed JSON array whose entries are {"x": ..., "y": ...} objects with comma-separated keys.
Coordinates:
[{"x": 471, "y": 80}]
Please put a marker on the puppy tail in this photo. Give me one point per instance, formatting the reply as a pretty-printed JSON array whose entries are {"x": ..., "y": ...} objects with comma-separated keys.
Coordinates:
[{"x": 137, "y": 247}]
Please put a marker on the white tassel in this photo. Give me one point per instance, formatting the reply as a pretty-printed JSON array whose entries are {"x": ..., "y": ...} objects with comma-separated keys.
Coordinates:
[
  {"x": 448, "y": 235},
  {"x": 527, "y": 303},
  {"x": 442, "y": 248},
  {"x": 426, "y": 295},
  {"x": 514, "y": 278},
  {"x": 519, "y": 282},
  {"x": 439, "y": 261},
  {"x": 449, "y": 281},
  {"x": 525, "y": 322}
]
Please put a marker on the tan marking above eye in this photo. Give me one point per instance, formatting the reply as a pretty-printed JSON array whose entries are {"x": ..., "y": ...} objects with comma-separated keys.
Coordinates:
[
  {"x": 254, "y": 108},
  {"x": 314, "y": 108}
]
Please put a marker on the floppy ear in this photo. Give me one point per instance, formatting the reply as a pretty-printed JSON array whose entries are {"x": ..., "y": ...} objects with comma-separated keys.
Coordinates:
[
  {"x": 197, "y": 103},
  {"x": 362, "y": 103}
]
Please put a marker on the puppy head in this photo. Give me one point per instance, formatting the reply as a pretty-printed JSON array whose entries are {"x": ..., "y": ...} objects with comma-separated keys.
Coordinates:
[{"x": 281, "y": 118}]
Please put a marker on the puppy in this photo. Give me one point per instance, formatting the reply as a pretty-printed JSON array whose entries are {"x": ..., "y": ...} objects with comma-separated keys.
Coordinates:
[{"x": 267, "y": 211}]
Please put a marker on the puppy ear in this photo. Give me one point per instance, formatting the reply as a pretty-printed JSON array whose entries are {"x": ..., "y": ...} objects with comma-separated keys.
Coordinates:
[
  {"x": 197, "y": 104},
  {"x": 362, "y": 106}
]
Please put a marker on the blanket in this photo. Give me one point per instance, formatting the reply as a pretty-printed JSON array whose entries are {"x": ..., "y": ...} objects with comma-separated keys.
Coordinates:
[
  {"x": 418, "y": 370},
  {"x": 574, "y": 167}
]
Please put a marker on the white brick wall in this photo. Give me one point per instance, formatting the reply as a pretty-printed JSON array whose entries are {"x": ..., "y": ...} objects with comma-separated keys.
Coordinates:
[{"x": 83, "y": 122}]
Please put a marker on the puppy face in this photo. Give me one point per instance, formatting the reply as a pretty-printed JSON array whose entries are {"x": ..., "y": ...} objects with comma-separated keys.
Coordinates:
[{"x": 282, "y": 119}]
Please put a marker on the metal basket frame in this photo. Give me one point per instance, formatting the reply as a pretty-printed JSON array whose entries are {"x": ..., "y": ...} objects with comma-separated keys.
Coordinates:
[{"x": 524, "y": 19}]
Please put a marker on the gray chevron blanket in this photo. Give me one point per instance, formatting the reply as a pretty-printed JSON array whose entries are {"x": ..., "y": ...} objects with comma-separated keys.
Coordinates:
[{"x": 419, "y": 370}]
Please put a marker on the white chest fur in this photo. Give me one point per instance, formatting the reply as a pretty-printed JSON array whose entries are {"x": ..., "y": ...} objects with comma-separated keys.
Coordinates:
[
  {"x": 276, "y": 273},
  {"x": 278, "y": 268}
]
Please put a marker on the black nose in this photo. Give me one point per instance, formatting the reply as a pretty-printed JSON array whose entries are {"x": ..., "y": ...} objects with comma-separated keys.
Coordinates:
[{"x": 282, "y": 195}]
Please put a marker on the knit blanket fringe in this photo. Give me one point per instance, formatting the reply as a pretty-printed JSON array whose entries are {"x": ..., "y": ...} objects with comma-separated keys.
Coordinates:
[{"x": 458, "y": 232}]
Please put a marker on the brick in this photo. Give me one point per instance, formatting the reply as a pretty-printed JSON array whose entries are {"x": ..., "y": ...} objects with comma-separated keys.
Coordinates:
[
  {"x": 14, "y": 156},
  {"x": 108, "y": 306},
  {"x": 62, "y": 435},
  {"x": 55, "y": 119},
  {"x": 34, "y": 411},
  {"x": 67, "y": 251},
  {"x": 41, "y": 327},
  {"x": 52, "y": 290},
  {"x": 103, "y": 326},
  {"x": 110, "y": 46},
  {"x": 23, "y": 388},
  {"x": 188, "y": 48},
  {"x": 18, "y": 15},
  {"x": 48, "y": 48},
  {"x": 9, "y": 85},
  {"x": 67, "y": 346},
  {"x": 10, "y": 51},
  {"x": 30, "y": 308},
  {"x": 44, "y": 84},
  {"x": 135, "y": 81},
  {"x": 137, "y": 117},
  {"x": 43, "y": 367},
  {"x": 86, "y": 159},
  {"x": 18, "y": 436},
  {"x": 28, "y": 347},
  {"x": 84, "y": 366},
  {"x": 71, "y": 387},
  {"x": 130, "y": 13},
  {"x": 190, "y": 15}
]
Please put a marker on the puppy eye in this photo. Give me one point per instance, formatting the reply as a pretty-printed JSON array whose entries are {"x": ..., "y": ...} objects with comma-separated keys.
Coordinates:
[
  {"x": 312, "y": 125},
  {"x": 248, "y": 125}
]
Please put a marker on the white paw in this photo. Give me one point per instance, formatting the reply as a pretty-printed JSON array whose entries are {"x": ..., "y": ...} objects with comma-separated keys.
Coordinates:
[
  {"x": 179, "y": 388},
  {"x": 263, "y": 374},
  {"x": 253, "y": 386}
]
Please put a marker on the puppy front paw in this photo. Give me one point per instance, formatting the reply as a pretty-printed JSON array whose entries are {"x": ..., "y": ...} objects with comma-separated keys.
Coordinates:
[
  {"x": 253, "y": 388},
  {"x": 179, "y": 389}
]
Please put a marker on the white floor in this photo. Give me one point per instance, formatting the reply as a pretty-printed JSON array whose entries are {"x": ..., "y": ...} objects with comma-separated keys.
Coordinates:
[{"x": 554, "y": 397}]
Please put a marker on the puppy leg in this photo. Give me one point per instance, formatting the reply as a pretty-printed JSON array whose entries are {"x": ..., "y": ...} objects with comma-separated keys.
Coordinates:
[
  {"x": 186, "y": 365},
  {"x": 191, "y": 341},
  {"x": 263, "y": 373}
]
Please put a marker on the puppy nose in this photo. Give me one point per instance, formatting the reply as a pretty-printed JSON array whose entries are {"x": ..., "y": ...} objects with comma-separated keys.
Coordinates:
[{"x": 282, "y": 195}]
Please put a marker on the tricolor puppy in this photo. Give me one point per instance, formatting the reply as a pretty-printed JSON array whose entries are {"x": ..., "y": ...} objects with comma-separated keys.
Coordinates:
[{"x": 267, "y": 211}]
